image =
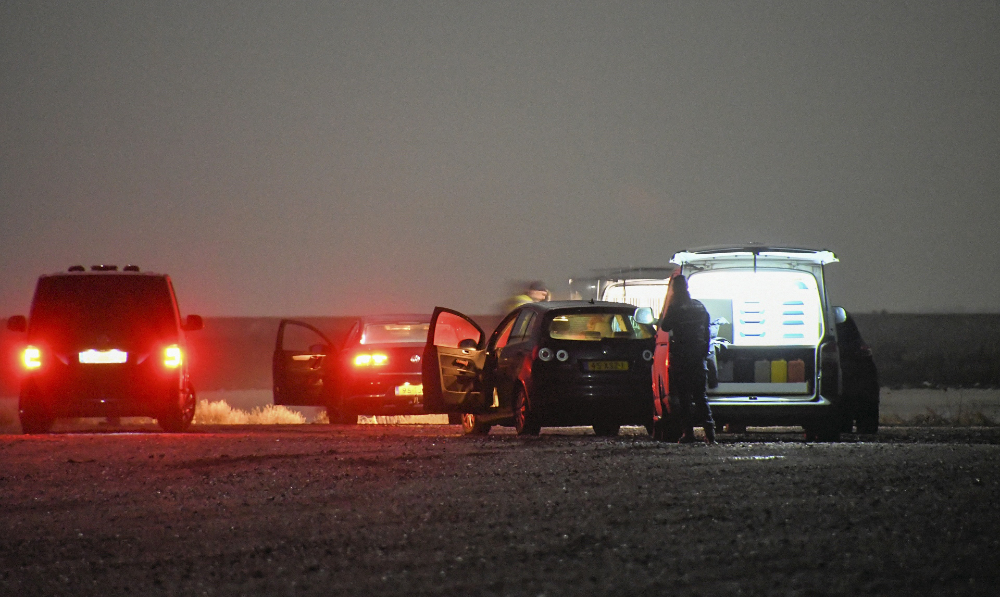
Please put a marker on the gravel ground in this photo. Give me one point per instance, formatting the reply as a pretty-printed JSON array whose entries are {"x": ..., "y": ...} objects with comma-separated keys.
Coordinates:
[{"x": 422, "y": 510}]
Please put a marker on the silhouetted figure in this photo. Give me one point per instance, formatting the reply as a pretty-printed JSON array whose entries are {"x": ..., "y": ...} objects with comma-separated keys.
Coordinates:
[
  {"x": 687, "y": 322},
  {"x": 535, "y": 292}
]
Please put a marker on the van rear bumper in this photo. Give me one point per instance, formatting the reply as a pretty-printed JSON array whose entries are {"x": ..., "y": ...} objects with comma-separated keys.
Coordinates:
[{"x": 767, "y": 411}]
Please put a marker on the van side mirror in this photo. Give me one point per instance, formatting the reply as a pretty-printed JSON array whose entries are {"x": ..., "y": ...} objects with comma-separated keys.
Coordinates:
[
  {"x": 644, "y": 315},
  {"x": 839, "y": 314},
  {"x": 17, "y": 323},
  {"x": 193, "y": 323},
  {"x": 468, "y": 344}
]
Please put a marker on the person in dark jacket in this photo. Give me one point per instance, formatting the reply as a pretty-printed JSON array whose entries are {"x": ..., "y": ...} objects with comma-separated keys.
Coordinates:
[{"x": 687, "y": 322}]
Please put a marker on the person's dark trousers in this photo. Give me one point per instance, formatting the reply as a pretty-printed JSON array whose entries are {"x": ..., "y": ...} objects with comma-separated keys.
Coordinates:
[{"x": 687, "y": 392}]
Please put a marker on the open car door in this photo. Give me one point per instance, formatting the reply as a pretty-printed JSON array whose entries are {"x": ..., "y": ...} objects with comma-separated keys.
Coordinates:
[
  {"x": 453, "y": 364},
  {"x": 301, "y": 366}
]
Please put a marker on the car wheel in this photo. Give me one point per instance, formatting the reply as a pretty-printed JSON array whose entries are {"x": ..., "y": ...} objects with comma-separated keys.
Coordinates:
[
  {"x": 604, "y": 429},
  {"x": 35, "y": 418},
  {"x": 667, "y": 429},
  {"x": 868, "y": 419},
  {"x": 337, "y": 417},
  {"x": 525, "y": 421},
  {"x": 823, "y": 432},
  {"x": 672, "y": 429},
  {"x": 471, "y": 425},
  {"x": 179, "y": 415}
]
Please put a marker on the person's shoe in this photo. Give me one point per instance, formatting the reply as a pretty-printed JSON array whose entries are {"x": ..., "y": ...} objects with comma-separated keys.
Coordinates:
[
  {"x": 687, "y": 438},
  {"x": 710, "y": 435}
]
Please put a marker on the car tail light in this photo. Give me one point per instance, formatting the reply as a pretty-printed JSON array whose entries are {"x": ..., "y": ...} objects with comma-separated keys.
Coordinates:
[
  {"x": 172, "y": 357},
  {"x": 32, "y": 358},
  {"x": 370, "y": 360}
]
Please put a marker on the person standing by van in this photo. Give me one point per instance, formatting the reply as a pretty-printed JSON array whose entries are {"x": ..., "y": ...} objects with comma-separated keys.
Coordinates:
[{"x": 687, "y": 322}]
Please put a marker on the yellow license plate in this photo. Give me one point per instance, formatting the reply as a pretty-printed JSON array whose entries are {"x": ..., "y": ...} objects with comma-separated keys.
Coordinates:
[
  {"x": 410, "y": 390},
  {"x": 607, "y": 366}
]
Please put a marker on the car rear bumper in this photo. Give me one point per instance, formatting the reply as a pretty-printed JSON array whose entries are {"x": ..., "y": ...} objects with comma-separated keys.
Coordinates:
[
  {"x": 386, "y": 394},
  {"x": 585, "y": 404}
]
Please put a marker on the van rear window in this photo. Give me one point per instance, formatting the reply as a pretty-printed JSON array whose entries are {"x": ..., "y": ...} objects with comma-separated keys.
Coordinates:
[
  {"x": 395, "y": 333},
  {"x": 72, "y": 310},
  {"x": 761, "y": 308}
]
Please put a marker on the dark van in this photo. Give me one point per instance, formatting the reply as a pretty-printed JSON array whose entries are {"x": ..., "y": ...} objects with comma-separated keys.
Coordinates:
[{"x": 105, "y": 343}]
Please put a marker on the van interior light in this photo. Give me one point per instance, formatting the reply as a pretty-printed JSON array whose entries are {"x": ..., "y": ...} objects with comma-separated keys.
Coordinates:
[
  {"x": 761, "y": 308},
  {"x": 172, "y": 357},
  {"x": 32, "y": 358}
]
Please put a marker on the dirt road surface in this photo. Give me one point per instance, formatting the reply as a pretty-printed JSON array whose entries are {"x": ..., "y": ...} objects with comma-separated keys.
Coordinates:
[{"x": 422, "y": 510}]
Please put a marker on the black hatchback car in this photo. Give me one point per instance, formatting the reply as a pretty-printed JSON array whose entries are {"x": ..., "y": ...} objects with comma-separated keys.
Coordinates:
[
  {"x": 375, "y": 370},
  {"x": 105, "y": 343},
  {"x": 561, "y": 363}
]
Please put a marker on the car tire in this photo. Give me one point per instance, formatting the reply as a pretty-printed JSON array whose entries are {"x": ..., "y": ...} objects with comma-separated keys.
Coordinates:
[
  {"x": 472, "y": 425},
  {"x": 868, "y": 420},
  {"x": 667, "y": 429},
  {"x": 179, "y": 414},
  {"x": 525, "y": 420},
  {"x": 338, "y": 417},
  {"x": 604, "y": 429},
  {"x": 823, "y": 432},
  {"x": 35, "y": 418}
]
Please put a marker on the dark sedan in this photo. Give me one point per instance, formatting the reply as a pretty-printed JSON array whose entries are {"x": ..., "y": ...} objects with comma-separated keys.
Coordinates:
[
  {"x": 376, "y": 371},
  {"x": 560, "y": 363}
]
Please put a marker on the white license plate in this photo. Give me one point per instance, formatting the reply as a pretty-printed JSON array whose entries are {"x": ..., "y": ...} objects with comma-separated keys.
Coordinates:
[
  {"x": 100, "y": 357},
  {"x": 410, "y": 390}
]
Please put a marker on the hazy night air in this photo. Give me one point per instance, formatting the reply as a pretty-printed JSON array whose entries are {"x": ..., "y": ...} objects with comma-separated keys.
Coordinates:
[{"x": 325, "y": 158}]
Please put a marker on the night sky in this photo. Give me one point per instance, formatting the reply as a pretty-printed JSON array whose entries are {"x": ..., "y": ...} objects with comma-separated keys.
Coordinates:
[{"x": 323, "y": 158}]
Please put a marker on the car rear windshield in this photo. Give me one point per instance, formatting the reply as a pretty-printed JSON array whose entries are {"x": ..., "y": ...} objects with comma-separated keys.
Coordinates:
[
  {"x": 761, "y": 308},
  {"x": 597, "y": 326},
  {"x": 395, "y": 333},
  {"x": 87, "y": 309}
]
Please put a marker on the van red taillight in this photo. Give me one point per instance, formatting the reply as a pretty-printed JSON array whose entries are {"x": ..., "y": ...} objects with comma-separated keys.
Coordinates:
[
  {"x": 173, "y": 357},
  {"x": 32, "y": 358}
]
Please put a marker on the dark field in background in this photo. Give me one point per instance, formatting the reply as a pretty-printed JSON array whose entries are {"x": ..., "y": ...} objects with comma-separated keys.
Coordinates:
[{"x": 234, "y": 353}]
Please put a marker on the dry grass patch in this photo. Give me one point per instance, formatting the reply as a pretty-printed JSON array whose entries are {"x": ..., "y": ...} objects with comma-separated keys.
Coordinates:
[{"x": 220, "y": 413}]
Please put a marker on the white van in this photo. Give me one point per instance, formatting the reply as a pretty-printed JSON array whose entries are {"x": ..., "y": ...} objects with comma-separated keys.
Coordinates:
[
  {"x": 775, "y": 343},
  {"x": 637, "y": 286}
]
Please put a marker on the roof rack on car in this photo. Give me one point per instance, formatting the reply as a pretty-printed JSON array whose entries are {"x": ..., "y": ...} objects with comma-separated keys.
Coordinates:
[
  {"x": 104, "y": 268},
  {"x": 76, "y": 268},
  {"x": 130, "y": 268}
]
